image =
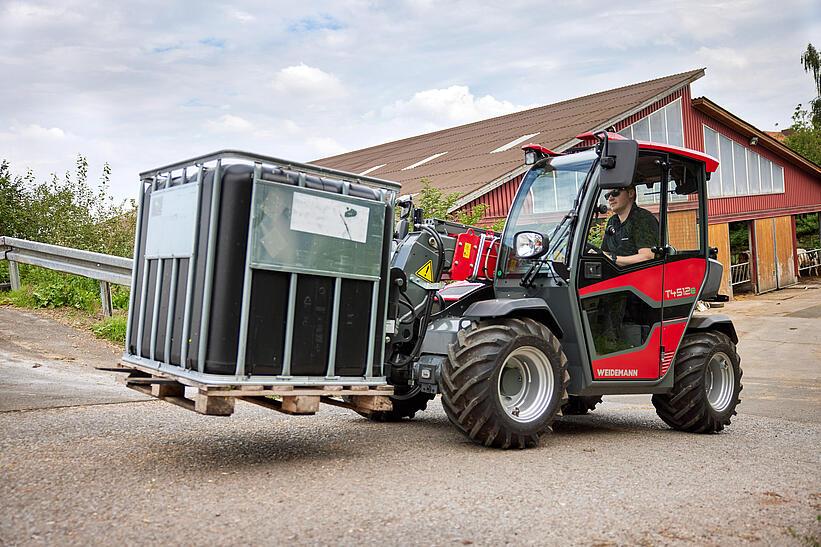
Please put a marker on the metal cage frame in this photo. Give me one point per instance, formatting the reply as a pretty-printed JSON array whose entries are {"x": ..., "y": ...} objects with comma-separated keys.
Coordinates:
[{"x": 162, "y": 178}]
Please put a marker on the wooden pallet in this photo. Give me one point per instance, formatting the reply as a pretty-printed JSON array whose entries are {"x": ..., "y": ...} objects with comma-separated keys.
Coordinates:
[{"x": 219, "y": 400}]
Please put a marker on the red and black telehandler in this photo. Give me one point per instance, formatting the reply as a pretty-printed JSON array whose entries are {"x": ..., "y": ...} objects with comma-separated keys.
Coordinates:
[{"x": 287, "y": 285}]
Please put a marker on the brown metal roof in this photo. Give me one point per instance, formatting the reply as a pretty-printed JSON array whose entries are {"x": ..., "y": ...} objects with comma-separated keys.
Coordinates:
[{"x": 469, "y": 168}]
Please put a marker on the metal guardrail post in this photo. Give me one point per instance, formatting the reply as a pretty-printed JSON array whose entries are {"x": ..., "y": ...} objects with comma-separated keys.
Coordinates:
[
  {"x": 105, "y": 298},
  {"x": 14, "y": 274}
]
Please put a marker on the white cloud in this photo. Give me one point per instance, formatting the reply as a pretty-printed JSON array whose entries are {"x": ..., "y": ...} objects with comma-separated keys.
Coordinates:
[
  {"x": 25, "y": 10},
  {"x": 302, "y": 80},
  {"x": 452, "y": 105},
  {"x": 239, "y": 15},
  {"x": 228, "y": 123},
  {"x": 35, "y": 131},
  {"x": 722, "y": 58},
  {"x": 324, "y": 147},
  {"x": 139, "y": 90}
]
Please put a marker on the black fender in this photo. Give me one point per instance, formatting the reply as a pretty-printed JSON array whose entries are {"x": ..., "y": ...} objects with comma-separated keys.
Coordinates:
[
  {"x": 721, "y": 323},
  {"x": 534, "y": 308}
]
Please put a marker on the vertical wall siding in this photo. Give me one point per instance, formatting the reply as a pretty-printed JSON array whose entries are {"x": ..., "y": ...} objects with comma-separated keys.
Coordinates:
[
  {"x": 498, "y": 201},
  {"x": 802, "y": 190}
]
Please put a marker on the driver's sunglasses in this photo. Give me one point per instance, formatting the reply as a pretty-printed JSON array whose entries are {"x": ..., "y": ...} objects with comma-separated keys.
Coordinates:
[{"x": 613, "y": 193}]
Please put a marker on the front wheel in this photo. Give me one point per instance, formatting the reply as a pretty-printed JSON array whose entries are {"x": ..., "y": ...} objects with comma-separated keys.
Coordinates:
[
  {"x": 504, "y": 382},
  {"x": 706, "y": 387}
]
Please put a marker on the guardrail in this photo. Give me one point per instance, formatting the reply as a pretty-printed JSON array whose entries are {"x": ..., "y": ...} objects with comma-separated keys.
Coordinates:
[
  {"x": 104, "y": 268},
  {"x": 740, "y": 273},
  {"x": 809, "y": 261}
]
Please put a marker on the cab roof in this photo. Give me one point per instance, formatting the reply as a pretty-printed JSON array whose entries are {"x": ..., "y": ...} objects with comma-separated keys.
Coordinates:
[{"x": 710, "y": 163}]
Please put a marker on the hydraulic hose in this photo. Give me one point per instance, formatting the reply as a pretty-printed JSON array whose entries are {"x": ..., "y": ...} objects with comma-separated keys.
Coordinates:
[{"x": 425, "y": 318}]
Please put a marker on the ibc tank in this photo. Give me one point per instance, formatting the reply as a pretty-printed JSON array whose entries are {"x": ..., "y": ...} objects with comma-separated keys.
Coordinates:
[{"x": 261, "y": 271}]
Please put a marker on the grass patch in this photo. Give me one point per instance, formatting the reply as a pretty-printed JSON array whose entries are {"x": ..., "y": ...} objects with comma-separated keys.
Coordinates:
[
  {"x": 22, "y": 298},
  {"x": 74, "y": 299},
  {"x": 111, "y": 329},
  {"x": 42, "y": 288}
]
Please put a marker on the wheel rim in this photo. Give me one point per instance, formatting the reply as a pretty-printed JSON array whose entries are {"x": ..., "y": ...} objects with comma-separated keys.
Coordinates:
[
  {"x": 719, "y": 382},
  {"x": 525, "y": 384}
]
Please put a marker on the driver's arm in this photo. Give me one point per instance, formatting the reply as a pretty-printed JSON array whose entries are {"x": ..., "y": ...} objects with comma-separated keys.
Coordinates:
[
  {"x": 645, "y": 253},
  {"x": 645, "y": 236}
]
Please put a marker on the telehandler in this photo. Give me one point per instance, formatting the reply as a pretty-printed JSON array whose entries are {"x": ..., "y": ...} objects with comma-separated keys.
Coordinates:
[{"x": 289, "y": 285}]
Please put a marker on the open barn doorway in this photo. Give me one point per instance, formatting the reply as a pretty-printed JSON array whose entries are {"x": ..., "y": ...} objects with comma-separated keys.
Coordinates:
[
  {"x": 808, "y": 237},
  {"x": 741, "y": 257}
]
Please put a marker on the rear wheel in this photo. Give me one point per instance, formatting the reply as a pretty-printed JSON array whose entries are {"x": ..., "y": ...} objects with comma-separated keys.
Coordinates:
[
  {"x": 579, "y": 405},
  {"x": 707, "y": 385},
  {"x": 504, "y": 382}
]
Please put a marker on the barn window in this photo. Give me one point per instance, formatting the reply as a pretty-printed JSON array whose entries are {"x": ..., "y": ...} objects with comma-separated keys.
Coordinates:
[
  {"x": 741, "y": 172},
  {"x": 663, "y": 125}
]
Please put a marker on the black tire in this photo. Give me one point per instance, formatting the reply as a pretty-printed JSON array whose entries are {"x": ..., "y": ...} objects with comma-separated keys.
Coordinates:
[
  {"x": 405, "y": 406},
  {"x": 687, "y": 407},
  {"x": 472, "y": 389},
  {"x": 580, "y": 405}
]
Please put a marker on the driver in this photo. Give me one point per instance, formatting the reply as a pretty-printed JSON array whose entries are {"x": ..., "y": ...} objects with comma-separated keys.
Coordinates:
[{"x": 631, "y": 232}]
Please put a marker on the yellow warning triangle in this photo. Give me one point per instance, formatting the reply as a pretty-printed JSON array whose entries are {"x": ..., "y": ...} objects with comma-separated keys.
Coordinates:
[{"x": 426, "y": 271}]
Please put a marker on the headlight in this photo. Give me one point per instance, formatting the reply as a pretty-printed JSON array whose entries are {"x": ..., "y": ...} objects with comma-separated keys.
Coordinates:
[{"x": 529, "y": 244}]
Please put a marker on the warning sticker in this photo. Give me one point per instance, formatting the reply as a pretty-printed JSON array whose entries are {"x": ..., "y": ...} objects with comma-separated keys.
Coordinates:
[
  {"x": 466, "y": 252},
  {"x": 426, "y": 271}
]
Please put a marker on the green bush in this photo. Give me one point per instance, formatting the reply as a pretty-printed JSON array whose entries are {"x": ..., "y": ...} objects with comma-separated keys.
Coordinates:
[
  {"x": 64, "y": 210},
  {"x": 67, "y": 210},
  {"x": 22, "y": 298},
  {"x": 119, "y": 297},
  {"x": 49, "y": 289},
  {"x": 112, "y": 329}
]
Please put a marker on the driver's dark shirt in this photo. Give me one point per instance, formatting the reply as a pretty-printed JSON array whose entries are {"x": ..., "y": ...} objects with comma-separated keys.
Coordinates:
[{"x": 640, "y": 230}]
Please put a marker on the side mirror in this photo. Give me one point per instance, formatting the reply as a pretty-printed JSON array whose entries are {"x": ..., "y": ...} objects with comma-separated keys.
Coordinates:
[
  {"x": 530, "y": 244},
  {"x": 618, "y": 163}
]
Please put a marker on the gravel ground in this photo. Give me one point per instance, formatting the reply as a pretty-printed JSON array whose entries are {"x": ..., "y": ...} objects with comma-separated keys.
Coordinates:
[
  {"x": 111, "y": 469},
  {"x": 150, "y": 472}
]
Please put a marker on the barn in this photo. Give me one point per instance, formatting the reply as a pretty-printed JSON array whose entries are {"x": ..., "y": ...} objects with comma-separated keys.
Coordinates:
[{"x": 756, "y": 195}]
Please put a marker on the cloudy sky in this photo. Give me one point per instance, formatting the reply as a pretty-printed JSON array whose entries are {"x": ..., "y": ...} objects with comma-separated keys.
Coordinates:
[{"x": 141, "y": 84}]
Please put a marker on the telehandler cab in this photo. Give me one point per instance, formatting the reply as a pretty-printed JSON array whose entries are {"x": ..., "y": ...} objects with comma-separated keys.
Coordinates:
[{"x": 291, "y": 280}]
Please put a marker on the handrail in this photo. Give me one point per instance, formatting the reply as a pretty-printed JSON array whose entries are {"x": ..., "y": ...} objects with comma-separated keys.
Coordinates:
[
  {"x": 809, "y": 260},
  {"x": 98, "y": 266},
  {"x": 740, "y": 273}
]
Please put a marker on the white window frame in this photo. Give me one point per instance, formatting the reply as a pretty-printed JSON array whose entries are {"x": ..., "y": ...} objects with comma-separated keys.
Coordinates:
[
  {"x": 747, "y": 155},
  {"x": 665, "y": 108}
]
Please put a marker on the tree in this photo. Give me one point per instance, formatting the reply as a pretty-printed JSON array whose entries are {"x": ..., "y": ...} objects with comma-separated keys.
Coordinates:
[
  {"x": 805, "y": 136},
  {"x": 811, "y": 59},
  {"x": 436, "y": 204},
  {"x": 805, "y": 132},
  {"x": 66, "y": 210}
]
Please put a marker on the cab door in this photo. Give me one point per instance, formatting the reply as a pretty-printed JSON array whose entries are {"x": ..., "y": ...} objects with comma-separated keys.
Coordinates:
[
  {"x": 684, "y": 250},
  {"x": 622, "y": 306}
]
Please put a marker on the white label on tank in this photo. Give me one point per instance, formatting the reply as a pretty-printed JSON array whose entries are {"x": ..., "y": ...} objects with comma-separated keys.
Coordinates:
[
  {"x": 171, "y": 221},
  {"x": 329, "y": 217}
]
